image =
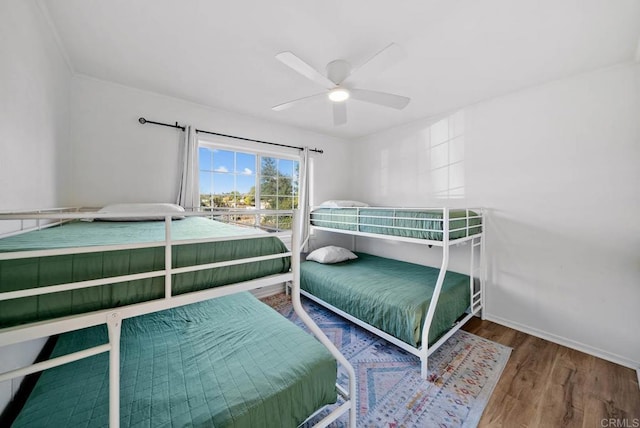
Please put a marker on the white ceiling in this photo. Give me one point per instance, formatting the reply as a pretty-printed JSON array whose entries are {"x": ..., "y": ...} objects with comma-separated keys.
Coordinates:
[{"x": 221, "y": 53}]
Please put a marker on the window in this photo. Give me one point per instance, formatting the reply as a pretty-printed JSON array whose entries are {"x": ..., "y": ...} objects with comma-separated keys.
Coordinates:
[{"x": 235, "y": 179}]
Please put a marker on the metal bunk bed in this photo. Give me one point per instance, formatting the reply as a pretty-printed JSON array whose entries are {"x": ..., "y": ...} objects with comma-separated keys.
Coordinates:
[
  {"x": 114, "y": 316},
  {"x": 438, "y": 227}
]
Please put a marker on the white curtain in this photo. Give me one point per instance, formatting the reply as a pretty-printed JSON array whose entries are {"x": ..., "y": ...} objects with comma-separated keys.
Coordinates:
[
  {"x": 303, "y": 197},
  {"x": 189, "y": 192}
]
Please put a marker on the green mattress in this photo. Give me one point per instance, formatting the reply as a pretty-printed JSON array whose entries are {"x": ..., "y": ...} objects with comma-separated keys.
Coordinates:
[
  {"x": 42, "y": 271},
  {"x": 390, "y": 295},
  {"x": 226, "y": 362},
  {"x": 419, "y": 224}
]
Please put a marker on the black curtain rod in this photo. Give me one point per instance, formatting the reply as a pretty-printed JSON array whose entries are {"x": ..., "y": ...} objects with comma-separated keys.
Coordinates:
[{"x": 142, "y": 120}]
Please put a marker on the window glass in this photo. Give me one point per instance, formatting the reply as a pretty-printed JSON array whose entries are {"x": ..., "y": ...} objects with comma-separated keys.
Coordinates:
[
  {"x": 229, "y": 179},
  {"x": 205, "y": 157},
  {"x": 245, "y": 163},
  {"x": 223, "y": 160}
]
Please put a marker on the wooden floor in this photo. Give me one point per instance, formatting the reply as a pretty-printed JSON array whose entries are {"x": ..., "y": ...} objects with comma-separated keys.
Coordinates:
[{"x": 548, "y": 385}]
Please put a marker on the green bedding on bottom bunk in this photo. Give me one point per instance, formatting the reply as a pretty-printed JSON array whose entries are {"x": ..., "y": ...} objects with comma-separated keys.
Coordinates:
[
  {"x": 390, "y": 295},
  {"x": 227, "y": 362},
  {"x": 42, "y": 271}
]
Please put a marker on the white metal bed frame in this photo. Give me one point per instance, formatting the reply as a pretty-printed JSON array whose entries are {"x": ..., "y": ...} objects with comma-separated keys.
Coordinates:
[
  {"x": 477, "y": 268},
  {"x": 113, "y": 317}
]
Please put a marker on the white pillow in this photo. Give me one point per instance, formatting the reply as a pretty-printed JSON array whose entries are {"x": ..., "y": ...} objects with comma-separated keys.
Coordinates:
[
  {"x": 331, "y": 254},
  {"x": 146, "y": 210},
  {"x": 343, "y": 204}
]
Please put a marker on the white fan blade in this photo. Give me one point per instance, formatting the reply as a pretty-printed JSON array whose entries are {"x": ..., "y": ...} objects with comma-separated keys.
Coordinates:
[
  {"x": 288, "y": 104},
  {"x": 382, "y": 98},
  {"x": 387, "y": 57},
  {"x": 339, "y": 113},
  {"x": 291, "y": 60}
]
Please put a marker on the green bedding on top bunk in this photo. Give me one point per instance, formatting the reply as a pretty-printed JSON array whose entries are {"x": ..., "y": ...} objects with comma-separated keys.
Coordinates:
[
  {"x": 226, "y": 362},
  {"x": 370, "y": 222},
  {"x": 390, "y": 295},
  {"x": 37, "y": 272}
]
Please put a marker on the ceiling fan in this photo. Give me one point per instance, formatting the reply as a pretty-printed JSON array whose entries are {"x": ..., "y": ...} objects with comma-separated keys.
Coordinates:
[{"x": 339, "y": 82}]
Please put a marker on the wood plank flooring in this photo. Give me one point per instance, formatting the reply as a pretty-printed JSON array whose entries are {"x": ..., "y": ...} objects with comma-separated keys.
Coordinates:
[{"x": 548, "y": 385}]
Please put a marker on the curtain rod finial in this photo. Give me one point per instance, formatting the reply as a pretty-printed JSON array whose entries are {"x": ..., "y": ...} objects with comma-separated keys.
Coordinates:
[{"x": 142, "y": 120}]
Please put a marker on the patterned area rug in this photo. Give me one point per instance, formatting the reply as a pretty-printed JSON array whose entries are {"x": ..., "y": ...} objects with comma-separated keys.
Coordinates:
[{"x": 391, "y": 393}]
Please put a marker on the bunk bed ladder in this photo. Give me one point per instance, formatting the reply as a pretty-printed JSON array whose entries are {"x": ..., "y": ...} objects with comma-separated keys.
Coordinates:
[{"x": 476, "y": 271}]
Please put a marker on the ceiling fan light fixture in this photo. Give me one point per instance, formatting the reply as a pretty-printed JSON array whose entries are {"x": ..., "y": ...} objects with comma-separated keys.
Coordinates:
[{"x": 338, "y": 95}]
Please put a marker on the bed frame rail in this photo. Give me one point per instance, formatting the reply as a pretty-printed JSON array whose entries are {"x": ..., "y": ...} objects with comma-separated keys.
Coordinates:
[
  {"x": 354, "y": 220},
  {"x": 113, "y": 317}
]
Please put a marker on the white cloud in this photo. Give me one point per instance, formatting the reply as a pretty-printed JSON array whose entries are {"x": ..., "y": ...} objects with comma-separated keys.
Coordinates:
[
  {"x": 221, "y": 169},
  {"x": 247, "y": 171}
]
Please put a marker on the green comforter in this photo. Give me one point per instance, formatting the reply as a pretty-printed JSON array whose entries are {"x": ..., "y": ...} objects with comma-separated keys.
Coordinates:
[
  {"x": 227, "y": 362},
  {"x": 389, "y": 294},
  {"x": 419, "y": 224},
  {"x": 37, "y": 272}
]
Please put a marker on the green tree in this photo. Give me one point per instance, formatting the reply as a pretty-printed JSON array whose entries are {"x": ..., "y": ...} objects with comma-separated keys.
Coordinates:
[
  {"x": 276, "y": 193},
  {"x": 217, "y": 201},
  {"x": 250, "y": 197}
]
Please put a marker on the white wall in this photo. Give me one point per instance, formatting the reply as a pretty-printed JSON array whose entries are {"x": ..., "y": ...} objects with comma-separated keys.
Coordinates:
[
  {"x": 34, "y": 111},
  {"x": 116, "y": 159},
  {"x": 34, "y": 140},
  {"x": 557, "y": 167}
]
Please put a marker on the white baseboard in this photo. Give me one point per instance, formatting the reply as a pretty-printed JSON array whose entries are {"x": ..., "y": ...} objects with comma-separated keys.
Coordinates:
[
  {"x": 267, "y": 291},
  {"x": 614, "y": 358}
]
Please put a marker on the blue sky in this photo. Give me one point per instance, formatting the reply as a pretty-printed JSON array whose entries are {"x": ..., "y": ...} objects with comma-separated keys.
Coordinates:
[{"x": 222, "y": 170}]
